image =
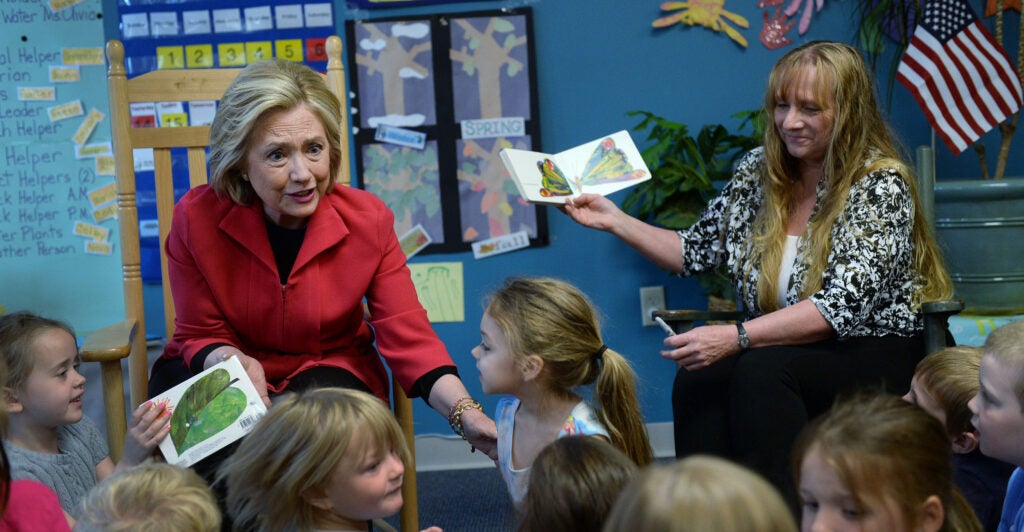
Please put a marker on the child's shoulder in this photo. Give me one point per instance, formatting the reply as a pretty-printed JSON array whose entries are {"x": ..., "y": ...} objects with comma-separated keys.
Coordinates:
[{"x": 583, "y": 420}]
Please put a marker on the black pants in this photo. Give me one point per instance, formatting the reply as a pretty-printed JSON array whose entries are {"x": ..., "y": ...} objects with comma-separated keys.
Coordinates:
[
  {"x": 751, "y": 407},
  {"x": 168, "y": 373}
]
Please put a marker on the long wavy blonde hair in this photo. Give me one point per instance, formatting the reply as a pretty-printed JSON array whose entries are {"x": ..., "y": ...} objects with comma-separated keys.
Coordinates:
[{"x": 860, "y": 143}]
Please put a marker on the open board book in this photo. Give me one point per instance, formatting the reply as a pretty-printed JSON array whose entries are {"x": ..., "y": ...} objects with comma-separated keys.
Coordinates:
[
  {"x": 602, "y": 166},
  {"x": 210, "y": 411}
]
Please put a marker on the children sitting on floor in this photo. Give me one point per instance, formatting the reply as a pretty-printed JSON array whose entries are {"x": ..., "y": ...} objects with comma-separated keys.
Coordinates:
[
  {"x": 49, "y": 439},
  {"x": 943, "y": 383},
  {"x": 878, "y": 463},
  {"x": 540, "y": 344}
]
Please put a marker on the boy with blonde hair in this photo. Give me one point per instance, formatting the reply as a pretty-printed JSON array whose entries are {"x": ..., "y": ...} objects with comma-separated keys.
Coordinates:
[
  {"x": 999, "y": 415},
  {"x": 942, "y": 385}
]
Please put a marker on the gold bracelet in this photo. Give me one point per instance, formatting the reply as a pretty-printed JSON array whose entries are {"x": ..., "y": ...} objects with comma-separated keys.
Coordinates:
[{"x": 455, "y": 415}]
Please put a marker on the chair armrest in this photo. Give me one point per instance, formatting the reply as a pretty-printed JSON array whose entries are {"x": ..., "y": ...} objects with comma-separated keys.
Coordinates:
[
  {"x": 936, "y": 322},
  {"x": 113, "y": 342},
  {"x": 683, "y": 320}
]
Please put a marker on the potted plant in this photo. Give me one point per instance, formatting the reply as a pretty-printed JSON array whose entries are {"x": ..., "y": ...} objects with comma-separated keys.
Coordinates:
[
  {"x": 687, "y": 172},
  {"x": 978, "y": 222}
]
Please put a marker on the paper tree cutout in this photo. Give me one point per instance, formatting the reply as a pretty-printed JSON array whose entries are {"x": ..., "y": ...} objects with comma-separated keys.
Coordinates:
[{"x": 707, "y": 13}]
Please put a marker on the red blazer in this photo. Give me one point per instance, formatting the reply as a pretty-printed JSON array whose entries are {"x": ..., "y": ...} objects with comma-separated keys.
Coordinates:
[{"x": 226, "y": 288}]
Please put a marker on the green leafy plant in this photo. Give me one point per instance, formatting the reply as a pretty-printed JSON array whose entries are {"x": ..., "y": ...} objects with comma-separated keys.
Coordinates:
[{"x": 687, "y": 172}]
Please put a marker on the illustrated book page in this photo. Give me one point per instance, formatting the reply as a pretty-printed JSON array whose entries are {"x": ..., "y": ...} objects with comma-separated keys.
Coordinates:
[
  {"x": 602, "y": 166},
  {"x": 210, "y": 411}
]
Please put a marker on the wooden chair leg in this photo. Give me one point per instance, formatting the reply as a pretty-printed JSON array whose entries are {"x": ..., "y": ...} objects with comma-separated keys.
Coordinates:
[{"x": 409, "y": 515}]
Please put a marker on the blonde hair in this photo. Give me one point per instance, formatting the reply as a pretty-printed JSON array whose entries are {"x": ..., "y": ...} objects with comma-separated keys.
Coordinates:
[
  {"x": 950, "y": 376},
  {"x": 883, "y": 449},
  {"x": 262, "y": 87},
  {"x": 1006, "y": 344},
  {"x": 553, "y": 320},
  {"x": 574, "y": 482},
  {"x": 700, "y": 493},
  {"x": 861, "y": 143},
  {"x": 152, "y": 496},
  {"x": 296, "y": 447},
  {"x": 18, "y": 333}
]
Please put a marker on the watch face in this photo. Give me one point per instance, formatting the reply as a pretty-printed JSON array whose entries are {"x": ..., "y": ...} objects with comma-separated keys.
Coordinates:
[{"x": 744, "y": 340}]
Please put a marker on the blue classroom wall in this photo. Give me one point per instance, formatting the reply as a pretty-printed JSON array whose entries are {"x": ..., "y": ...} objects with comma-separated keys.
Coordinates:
[{"x": 596, "y": 60}]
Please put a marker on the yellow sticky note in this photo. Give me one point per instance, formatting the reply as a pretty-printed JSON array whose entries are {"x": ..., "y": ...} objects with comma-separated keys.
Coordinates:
[
  {"x": 104, "y": 194},
  {"x": 98, "y": 248},
  {"x": 174, "y": 120},
  {"x": 258, "y": 50},
  {"x": 199, "y": 55},
  {"x": 36, "y": 93},
  {"x": 439, "y": 287},
  {"x": 288, "y": 49},
  {"x": 57, "y": 5},
  {"x": 67, "y": 110},
  {"x": 87, "y": 127},
  {"x": 82, "y": 56},
  {"x": 105, "y": 213},
  {"x": 168, "y": 57},
  {"x": 231, "y": 54},
  {"x": 65, "y": 74},
  {"x": 92, "y": 150},
  {"x": 95, "y": 232},
  {"x": 104, "y": 165}
]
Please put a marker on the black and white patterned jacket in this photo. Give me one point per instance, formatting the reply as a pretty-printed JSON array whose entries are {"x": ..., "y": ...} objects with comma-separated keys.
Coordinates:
[{"x": 868, "y": 285}]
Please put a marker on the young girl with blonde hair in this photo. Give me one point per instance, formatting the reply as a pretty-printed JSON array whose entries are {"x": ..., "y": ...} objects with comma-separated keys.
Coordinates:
[
  {"x": 541, "y": 343},
  {"x": 323, "y": 459},
  {"x": 879, "y": 463}
]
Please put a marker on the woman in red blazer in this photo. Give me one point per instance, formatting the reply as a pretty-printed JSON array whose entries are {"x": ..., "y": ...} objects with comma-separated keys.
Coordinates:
[{"x": 271, "y": 262}]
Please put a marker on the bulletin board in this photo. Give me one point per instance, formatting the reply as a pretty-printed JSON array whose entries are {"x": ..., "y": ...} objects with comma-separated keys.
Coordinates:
[
  {"x": 436, "y": 99},
  {"x": 58, "y": 242}
]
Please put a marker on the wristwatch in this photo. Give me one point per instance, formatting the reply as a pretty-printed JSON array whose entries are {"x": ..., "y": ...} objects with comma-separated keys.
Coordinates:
[{"x": 743, "y": 339}]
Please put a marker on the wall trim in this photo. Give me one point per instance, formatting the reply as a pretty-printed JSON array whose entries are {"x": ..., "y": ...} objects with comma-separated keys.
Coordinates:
[{"x": 441, "y": 452}]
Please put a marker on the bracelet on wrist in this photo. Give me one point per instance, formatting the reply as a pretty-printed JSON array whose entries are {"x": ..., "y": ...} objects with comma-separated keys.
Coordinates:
[{"x": 455, "y": 414}]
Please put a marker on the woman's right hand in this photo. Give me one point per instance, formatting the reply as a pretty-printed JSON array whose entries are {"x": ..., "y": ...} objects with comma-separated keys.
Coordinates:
[
  {"x": 592, "y": 210},
  {"x": 252, "y": 367}
]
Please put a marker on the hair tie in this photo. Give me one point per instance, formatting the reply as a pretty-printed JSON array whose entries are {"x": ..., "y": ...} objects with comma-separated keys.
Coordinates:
[{"x": 599, "y": 355}]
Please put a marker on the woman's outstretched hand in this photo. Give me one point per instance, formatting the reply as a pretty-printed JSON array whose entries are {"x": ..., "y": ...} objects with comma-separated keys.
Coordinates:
[
  {"x": 481, "y": 432},
  {"x": 700, "y": 347},
  {"x": 252, "y": 367},
  {"x": 592, "y": 210}
]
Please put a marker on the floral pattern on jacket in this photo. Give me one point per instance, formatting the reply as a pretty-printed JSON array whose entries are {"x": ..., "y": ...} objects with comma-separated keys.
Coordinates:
[{"x": 869, "y": 282}]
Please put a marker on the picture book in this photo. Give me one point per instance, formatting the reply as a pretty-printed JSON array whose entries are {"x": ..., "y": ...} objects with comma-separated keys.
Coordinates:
[
  {"x": 601, "y": 166},
  {"x": 209, "y": 411}
]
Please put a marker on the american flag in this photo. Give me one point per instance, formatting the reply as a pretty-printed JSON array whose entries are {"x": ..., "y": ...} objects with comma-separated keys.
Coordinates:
[{"x": 959, "y": 74}]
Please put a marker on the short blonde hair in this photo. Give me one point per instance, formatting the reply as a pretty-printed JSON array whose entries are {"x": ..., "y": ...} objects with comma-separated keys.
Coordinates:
[
  {"x": 296, "y": 447},
  {"x": 1006, "y": 344},
  {"x": 262, "y": 87},
  {"x": 152, "y": 496},
  {"x": 700, "y": 493},
  {"x": 950, "y": 376}
]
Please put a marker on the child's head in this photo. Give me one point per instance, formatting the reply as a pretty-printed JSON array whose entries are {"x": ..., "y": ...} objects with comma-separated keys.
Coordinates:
[
  {"x": 41, "y": 356},
  {"x": 943, "y": 383},
  {"x": 998, "y": 407},
  {"x": 878, "y": 463},
  {"x": 152, "y": 496},
  {"x": 699, "y": 493},
  {"x": 322, "y": 458},
  {"x": 545, "y": 330},
  {"x": 573, "y": 483}
]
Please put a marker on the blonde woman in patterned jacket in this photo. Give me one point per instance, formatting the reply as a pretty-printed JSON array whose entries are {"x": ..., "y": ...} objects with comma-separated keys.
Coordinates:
[{"x": 827, "y": 248}]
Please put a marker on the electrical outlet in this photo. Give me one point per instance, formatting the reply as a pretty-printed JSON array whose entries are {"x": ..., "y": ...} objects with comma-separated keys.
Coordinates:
[{"x": 651, "y": 298}]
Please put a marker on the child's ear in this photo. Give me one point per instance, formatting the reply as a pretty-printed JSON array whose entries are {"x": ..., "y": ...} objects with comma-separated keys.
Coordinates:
[
  {"x": 932, "y": 514},
  {"x": 11, "y": 401},
  {"x": 532, "y": 366},
  {"x": 317, "y": 497},
  {"x": 965, "y": 442}
]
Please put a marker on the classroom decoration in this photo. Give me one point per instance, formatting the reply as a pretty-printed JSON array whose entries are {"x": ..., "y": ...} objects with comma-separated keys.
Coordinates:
[
  {"x": 775, "y": 27},
  {"x": 437, "y": 97},
  {"x": 962, "y": 78},
  {"x": 993, "y": 5},
  {"x": 707, "y": 13},
  {"x": 376, "y": 4},
  {"x": 57, "y": 209}
]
